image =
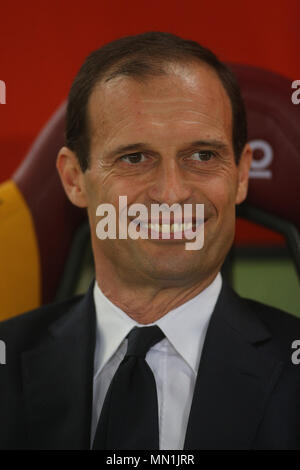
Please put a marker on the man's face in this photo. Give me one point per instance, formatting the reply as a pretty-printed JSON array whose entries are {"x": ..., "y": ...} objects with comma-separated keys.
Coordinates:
[{"x": 178, "y": 131}]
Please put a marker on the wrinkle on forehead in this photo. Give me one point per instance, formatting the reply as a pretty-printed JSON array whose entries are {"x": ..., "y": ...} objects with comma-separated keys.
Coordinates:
[
  {"x": 169, "y": 100},
  {"x": 184, "y": 121}
]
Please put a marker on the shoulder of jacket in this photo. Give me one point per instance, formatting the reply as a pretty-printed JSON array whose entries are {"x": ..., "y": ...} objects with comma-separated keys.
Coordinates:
[
  {"x": 277, "y": 320},
  {"x": 35, "y": 322}
]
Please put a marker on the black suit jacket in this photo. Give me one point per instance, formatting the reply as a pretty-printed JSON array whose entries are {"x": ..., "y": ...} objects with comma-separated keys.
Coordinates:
[{"x": 247, "y": 393}]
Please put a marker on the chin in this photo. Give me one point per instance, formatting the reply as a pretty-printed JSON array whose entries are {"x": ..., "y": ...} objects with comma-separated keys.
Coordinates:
[{"x": 173, "y": 270}]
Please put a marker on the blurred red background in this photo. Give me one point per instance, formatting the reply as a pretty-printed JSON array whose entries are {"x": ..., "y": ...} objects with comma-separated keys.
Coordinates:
[{"x": 42, "y": 45}]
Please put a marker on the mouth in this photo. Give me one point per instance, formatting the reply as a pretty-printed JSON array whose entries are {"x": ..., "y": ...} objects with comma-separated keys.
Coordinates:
[{"x": 172, "y": 231}]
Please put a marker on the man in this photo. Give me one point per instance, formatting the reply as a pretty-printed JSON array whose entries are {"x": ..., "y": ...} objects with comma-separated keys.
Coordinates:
[{"x": 160, "y": 120}]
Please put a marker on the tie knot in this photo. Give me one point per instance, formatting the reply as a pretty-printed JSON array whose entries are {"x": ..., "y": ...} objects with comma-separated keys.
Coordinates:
[{"x": 141, "y": 339}]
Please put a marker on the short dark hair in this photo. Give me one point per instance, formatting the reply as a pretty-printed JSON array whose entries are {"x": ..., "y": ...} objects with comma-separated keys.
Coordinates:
[{"x": 142, "y": 56}]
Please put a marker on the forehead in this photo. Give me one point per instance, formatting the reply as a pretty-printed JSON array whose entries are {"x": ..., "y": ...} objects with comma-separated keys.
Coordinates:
[{"x": 189, "y": 98}]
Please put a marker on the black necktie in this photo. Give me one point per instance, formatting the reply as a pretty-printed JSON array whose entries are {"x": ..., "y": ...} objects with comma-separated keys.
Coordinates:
[{"x": 129, "y": 416}]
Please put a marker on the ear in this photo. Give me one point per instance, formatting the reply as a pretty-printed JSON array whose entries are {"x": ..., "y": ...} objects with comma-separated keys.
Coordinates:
[
  {"x": 71, "y": 176},
  {"x": 243, "y": 174}
]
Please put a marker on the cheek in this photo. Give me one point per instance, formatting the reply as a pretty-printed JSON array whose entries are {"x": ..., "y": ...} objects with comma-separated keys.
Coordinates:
[
  {"x": 93, "y": 189},
  {"x": 98, "y": 186},
  {"x": 103, "y": 190},
  {"x": 220, "y": 193}
]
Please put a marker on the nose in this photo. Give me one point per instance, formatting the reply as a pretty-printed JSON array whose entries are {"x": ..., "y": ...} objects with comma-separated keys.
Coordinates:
[{"x": 170, "y": 184}]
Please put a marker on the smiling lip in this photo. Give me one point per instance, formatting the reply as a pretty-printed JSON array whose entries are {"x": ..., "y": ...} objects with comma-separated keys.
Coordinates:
[
  {"x": 170, "y": 229},
  {"x": 171, "y": 221}
]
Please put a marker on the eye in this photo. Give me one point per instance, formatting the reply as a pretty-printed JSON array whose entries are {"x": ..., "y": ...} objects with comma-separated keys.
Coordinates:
[
  {"x": 134, "y": 158},
  {"x": 202, "y": 155}
]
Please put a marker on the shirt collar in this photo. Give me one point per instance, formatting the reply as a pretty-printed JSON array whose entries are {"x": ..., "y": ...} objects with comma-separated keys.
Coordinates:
[{"x": 113, "y": 325}]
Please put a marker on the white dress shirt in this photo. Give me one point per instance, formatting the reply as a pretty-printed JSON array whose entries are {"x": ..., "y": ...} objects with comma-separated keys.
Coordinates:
[{"x": 174, "y": 360}]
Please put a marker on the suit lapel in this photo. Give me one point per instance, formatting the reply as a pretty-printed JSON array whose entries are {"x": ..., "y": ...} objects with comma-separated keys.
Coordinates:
[
  {"x": 58, "y": 381},
  {"x": 234, "y": 378}
]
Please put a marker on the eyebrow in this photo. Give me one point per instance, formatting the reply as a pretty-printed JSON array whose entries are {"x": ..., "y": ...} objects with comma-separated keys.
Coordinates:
[{"x": 213, "y": 143}]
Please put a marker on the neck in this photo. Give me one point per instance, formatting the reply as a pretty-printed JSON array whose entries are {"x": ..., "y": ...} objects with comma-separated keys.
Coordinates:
[{"x": 147, "y": 303}]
